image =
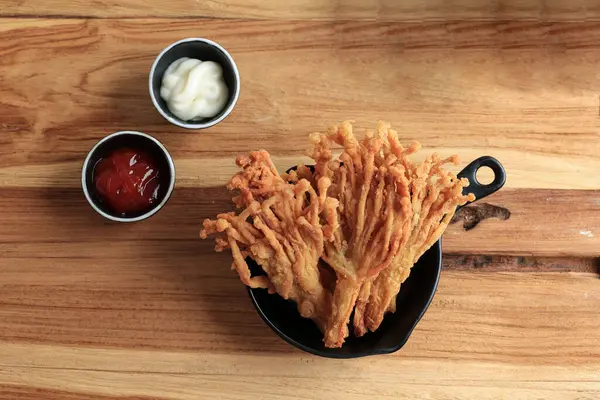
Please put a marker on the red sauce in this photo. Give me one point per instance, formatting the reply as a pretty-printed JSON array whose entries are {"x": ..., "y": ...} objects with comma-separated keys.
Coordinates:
[{"x": 127, "y": 180}]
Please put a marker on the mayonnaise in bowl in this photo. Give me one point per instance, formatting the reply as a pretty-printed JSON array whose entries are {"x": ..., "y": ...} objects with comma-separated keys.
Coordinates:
[{"x": 194, "y": 90}]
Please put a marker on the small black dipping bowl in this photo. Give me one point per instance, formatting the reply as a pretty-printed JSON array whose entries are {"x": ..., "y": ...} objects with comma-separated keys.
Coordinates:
[
  {"x": 204, "y": 50},
  {"x": 136, "y": 141},
  {"x": 412, "y": 301}
]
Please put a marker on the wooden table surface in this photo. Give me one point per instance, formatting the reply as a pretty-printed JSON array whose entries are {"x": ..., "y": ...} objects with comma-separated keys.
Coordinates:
[{"x": 95, "y": 310}]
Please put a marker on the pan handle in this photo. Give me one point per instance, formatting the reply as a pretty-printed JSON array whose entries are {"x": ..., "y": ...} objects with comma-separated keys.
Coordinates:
[{"x": 470, "y": 172}]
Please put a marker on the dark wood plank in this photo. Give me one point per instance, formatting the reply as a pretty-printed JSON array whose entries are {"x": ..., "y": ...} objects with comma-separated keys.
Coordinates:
[{"x": 14, "y": 392}]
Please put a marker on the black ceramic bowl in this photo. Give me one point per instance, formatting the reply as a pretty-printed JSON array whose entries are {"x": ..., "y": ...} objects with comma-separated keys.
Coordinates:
[
  {"x": 201, "y": 49},
  {"x": 411, "y": 303},
  {"x": 136, "y": 141}
]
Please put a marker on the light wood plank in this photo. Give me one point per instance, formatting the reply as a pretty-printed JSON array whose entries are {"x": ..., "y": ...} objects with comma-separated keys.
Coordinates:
[
  {"x": 38, "y": 221},
  {"x": 387, "y": 10},
  {"x": 69, "y": 278},
  {"x": 517, "y": 348},
  {"x": 525, "y": 170},
  {"x": 464, "y": 88},
  {"x": 556, "y": 223}
]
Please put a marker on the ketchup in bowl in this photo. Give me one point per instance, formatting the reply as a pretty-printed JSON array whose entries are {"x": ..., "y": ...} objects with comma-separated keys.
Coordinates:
[
  {"x": 128, "y": 176},
  {"x": 127, "y": 180}
]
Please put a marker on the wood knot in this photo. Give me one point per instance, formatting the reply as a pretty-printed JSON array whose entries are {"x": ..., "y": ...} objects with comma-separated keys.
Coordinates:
[{"x": 473, "y": 214}]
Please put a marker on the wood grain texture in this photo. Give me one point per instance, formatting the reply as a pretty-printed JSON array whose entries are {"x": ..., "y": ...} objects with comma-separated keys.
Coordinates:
[
  {"x": 551, "y": 223},
  {"x": 187, "y": 376},
  {"x": 456, "y": 351},
  {"x": 495, "y": 263},
  {"x": 72, "y": 279},
  {"x": 387, "y": 10},
  {"x": 472, "y": 89},
  {"x": 16, "y": 392},
  {"x": 95, "y": 310}
]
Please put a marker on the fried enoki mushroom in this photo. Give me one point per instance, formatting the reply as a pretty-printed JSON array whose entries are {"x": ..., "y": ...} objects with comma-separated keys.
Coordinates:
[
  {"x": 374, "y": 213},
  {"x": 435, "y": 194},
  {"x": 340, "y": 237},
  {"x": 280, "y": 227},
  {"x": 391, "y": 211}
]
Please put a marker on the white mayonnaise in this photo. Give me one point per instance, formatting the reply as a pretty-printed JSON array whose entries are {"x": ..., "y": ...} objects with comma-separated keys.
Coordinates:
[{"x": 193, "y": 89}]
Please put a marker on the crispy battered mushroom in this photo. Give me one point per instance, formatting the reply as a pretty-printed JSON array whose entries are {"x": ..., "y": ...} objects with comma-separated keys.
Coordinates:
[
  {"x": 369, "y": 214},
  {"x": 280, "y": 227}
]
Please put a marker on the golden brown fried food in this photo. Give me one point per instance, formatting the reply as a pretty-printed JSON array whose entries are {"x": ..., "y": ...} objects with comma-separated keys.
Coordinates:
[
  {"x": 435, "y": 194},
  {"x": 374, "y": 213},
  {"x": 280, "y": 228},
  {"x": 369, "y": 214}
]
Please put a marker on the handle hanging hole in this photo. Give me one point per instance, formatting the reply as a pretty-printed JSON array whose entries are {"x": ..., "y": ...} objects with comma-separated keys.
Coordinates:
[{"x": 485, "y": 175}]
